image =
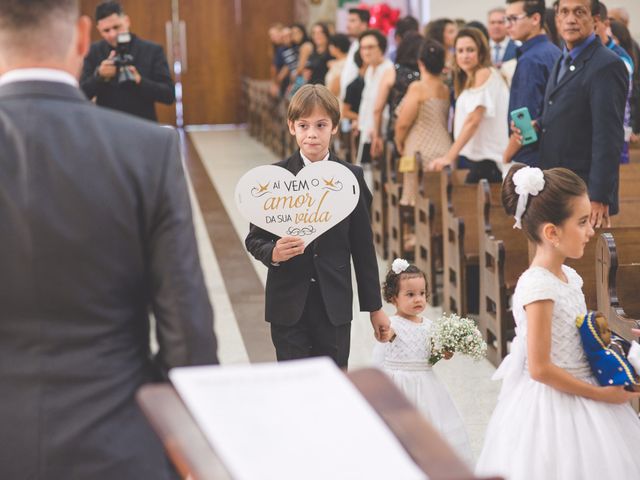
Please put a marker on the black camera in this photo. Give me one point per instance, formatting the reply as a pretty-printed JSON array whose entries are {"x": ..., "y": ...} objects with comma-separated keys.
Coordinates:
[{"x": 124, "y": 59}]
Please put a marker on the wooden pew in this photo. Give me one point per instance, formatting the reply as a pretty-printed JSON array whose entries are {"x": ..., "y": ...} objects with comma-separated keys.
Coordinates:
[
  {"x": 634, "y": 154},
  {"x": 400, "y": 217},
  {"x": 586, "y": 267},
  {"x": 249, "y": 105},
  {"x": 502, "y": 259},
  {"x": 460, "y": 244},
  {"x": 428, "y": 225},
  {"x": 342, "y": 145},
  {"x": 380, "y": 206},
  {"x": 280, "y": 136},
  {"x": 618, "y": 272},
  {"x": 354, "y": 140},
  {"x": 264, "y": 107}
]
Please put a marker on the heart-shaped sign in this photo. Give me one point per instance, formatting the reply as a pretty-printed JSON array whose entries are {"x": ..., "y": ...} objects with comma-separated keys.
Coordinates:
[{"x": 306, "y": 205}]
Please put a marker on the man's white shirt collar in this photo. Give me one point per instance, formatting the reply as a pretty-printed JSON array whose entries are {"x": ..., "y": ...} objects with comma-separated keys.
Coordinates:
[
  {"x": 38, "y": 74},
  {"x": 503, "y": 44},
  {"x": 308, "y": 162}
]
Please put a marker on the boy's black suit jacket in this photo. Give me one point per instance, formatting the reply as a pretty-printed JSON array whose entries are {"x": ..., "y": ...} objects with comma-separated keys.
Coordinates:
[{"x": 327, "y": 259}]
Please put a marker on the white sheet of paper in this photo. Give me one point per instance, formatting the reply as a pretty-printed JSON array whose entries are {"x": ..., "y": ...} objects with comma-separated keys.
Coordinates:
[{"x": 292, "y": 420}]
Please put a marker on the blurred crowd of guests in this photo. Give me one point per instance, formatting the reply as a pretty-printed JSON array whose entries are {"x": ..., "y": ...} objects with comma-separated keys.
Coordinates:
[{"x": 447, "y": 90}]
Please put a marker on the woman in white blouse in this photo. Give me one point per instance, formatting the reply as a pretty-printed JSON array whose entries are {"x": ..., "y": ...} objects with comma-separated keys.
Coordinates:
[{"x": 480, "y": 127}]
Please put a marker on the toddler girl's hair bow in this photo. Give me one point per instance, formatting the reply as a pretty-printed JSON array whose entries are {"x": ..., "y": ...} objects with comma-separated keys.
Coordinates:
[
  {"x": 399, "y": 265},
  {"x": 528, "y": 181}
]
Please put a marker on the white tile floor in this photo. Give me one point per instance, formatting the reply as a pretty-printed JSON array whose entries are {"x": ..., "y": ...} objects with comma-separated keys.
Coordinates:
[{"x": 227, "y": 155}]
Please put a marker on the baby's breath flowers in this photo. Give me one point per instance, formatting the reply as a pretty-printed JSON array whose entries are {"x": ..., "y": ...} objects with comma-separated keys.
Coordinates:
[{"x": 451, "y": 333}]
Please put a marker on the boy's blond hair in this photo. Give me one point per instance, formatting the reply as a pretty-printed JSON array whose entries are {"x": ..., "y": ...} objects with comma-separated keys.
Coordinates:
[{"x": 310, "y": 97}]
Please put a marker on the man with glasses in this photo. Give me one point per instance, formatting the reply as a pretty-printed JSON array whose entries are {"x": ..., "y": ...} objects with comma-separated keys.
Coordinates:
[
  {"x": 582, "y": 120},
  {"x": 536, "y": 57},
  {"x": 502, "y": 47}
]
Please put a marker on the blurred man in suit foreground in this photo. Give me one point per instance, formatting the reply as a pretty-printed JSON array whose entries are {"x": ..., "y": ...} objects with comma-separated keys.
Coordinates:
[{"x": 96, "y": 231}]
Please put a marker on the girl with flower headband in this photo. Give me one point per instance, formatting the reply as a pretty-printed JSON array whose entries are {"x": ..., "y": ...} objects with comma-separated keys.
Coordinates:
[
  {"x": 405, "y": 358},
  {"x": 553, "y": 420}
]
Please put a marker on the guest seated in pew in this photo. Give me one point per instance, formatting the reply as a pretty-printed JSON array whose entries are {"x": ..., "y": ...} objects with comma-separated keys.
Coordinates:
[
  {"x": 482, "y": 99},
  {"x": 551, "y": 406},
  {"x": 422, "y": 119}
]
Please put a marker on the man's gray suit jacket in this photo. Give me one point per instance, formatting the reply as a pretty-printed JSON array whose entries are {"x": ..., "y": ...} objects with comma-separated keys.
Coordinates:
[{"x": 95, "y": 232}]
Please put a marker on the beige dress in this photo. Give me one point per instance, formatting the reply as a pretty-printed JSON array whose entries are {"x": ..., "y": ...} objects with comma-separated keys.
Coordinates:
[{"x": 429, "y": 136}]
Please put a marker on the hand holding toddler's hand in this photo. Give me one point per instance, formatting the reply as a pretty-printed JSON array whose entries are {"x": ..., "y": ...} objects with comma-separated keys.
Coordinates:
[
  {"x": 387, "y": 336},
  {"x": 381, "y": 325},
  {"x": 286, "y": 248}
]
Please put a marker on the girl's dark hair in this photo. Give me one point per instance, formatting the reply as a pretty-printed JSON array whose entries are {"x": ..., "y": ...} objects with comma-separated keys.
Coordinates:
[
  {"x": 478, "y": 26},
  {"x": 624, "y": 39},
  {"x": 407, "y": 53},
  {"x": 531, "y": 6},
  {"x": 325, "y": 30},
  {"x": 435, "y": 29},
  {"x": 391, "y": 284},
  {"x": 106, "y": 9},
  {"x": 305, "y": 37},
  {"x": 550, "y": 26},
  {"x": 340, "y": 41},
  {"x": 551, "y": 205},
  {"x": 357, "y": 58},
  {"x": 405, "y": 25},
  {"x": 432, "y": 56}
]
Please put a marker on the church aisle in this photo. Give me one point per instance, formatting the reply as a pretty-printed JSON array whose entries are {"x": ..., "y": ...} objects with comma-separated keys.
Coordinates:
[{"x": 226, "y": 154}]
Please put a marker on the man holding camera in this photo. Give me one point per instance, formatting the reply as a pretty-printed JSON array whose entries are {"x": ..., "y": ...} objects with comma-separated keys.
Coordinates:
[{"x": 123, "y": 71}]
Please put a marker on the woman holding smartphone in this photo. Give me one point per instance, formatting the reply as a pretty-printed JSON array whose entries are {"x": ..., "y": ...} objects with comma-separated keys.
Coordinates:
[{"x": 480, "y": 125}]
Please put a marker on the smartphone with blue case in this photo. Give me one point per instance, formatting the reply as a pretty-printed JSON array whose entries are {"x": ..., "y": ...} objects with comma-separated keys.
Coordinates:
[{"x": 522, "y": 120}]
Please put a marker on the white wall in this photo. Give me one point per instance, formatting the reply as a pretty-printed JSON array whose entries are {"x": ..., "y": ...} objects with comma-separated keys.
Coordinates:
[{"x": 477, "y": 10}]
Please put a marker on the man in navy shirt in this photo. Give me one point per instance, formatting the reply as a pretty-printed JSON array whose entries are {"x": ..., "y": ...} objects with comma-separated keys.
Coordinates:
[{"x": 536, "y": 58}]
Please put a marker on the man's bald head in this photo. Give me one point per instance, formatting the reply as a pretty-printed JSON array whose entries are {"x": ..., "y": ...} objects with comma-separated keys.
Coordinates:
[{"x": 620, "y": 14}]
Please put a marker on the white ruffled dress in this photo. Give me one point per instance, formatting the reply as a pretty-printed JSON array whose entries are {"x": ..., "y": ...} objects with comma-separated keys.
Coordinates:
[
  {"x": 537, "y": 432},
  {"x": 406, "y": 361}
]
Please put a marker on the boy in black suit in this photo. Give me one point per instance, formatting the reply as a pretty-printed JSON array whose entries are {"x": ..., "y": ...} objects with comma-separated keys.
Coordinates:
[{"x": 308, "y": 298}]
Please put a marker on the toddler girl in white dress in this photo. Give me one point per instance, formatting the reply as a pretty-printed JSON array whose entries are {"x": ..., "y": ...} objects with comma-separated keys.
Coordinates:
[
  {"x": 553, "y": 420},
  {"x": 405, "y": 358}
]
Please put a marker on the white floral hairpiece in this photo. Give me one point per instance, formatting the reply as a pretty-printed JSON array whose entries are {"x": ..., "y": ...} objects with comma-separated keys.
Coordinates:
[
  {"x": 528, "y": 181},
  {"x": 399, "y": 265}
]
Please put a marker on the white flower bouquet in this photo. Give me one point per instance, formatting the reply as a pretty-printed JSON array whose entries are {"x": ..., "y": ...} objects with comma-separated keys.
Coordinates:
[{"x": 455, "y": 334}]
